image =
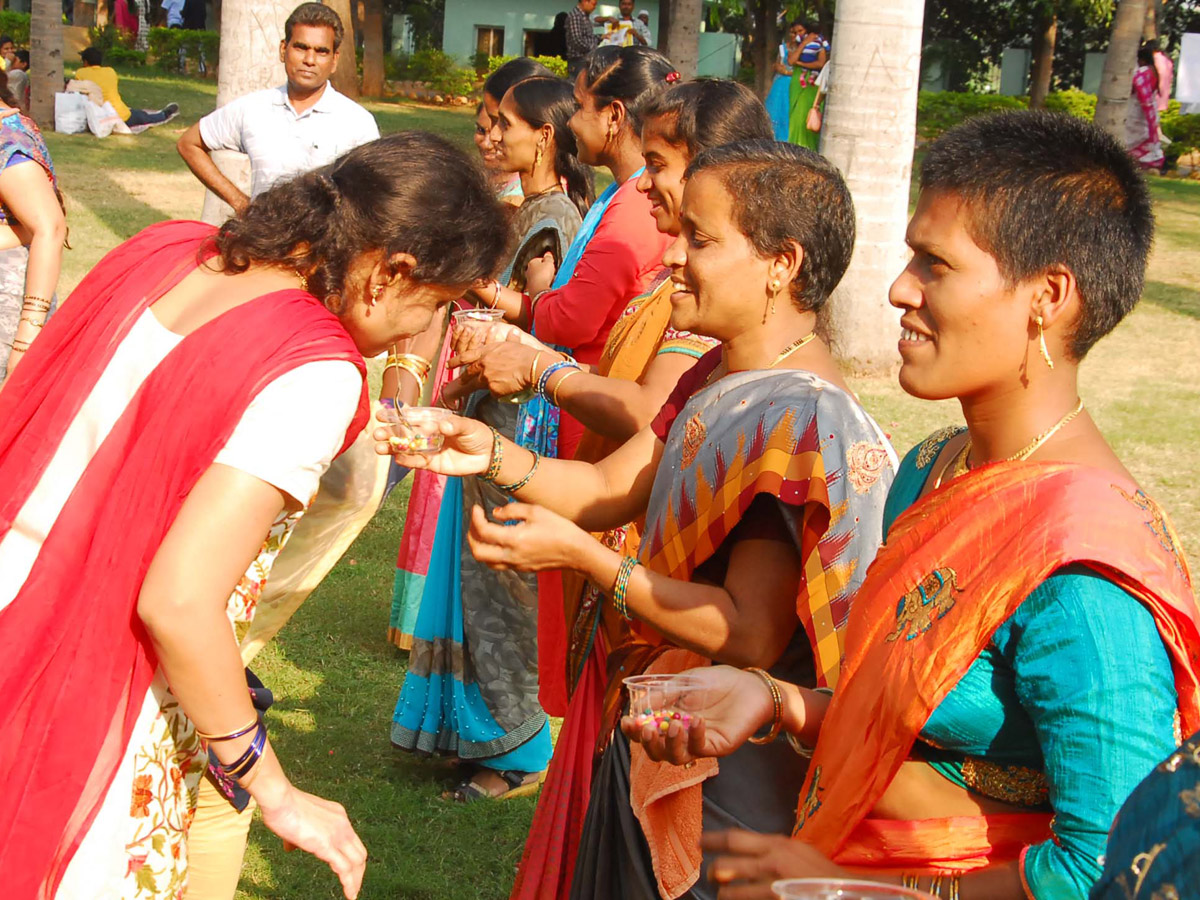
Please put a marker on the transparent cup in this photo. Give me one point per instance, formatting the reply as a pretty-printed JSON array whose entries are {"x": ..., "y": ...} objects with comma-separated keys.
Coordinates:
[
  {"x": 662, "y": 699},
  {"x": 836, "y": 889},
  {"x": 477, "y": 318},
  {"x": 416, "y": 429}
]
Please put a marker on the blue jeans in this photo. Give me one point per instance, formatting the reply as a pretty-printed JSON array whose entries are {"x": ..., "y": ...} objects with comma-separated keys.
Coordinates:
[{"x": 145, "y": 117}]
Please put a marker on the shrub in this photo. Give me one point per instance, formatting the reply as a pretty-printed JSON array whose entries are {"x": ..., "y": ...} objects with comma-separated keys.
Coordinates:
[
  {"x": 555, "y": 64},
  {"x": 457, "y": 82},
  {"x": 178, "y": 49},
  {"x": 428, "y": 64},
  {"x": 1073, "y": 102},
  {"x": 15, "y": 25},
  {"x": 1182, "y": 131},
  {"x": 942, "y": 110},
  {"x": 123, "y": 56}
]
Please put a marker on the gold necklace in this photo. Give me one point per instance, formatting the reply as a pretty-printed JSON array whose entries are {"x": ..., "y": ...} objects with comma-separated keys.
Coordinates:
[
  {"x": 960, "y": 464},
  {"x": 784, "y": 354}
]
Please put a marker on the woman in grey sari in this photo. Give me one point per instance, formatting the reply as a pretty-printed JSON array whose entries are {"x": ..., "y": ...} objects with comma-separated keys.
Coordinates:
[
  {"x": 471, "y": 688},
  {"x": 32, "y": 231}
]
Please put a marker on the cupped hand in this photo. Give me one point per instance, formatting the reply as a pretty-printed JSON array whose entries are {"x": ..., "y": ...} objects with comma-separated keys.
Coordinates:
[
  {"x": 467, "y": 449},
  {"x": 738, "y": 704},
  {"x": 322, "y": 828},
  {"x": 537, "y": 539},
  {"x": 748, "y": 863},
  {"x": 539, "y": 274}
]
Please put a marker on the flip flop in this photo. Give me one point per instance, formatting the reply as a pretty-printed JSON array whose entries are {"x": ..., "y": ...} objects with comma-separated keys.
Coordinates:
[{"x": 521, "y": 784}]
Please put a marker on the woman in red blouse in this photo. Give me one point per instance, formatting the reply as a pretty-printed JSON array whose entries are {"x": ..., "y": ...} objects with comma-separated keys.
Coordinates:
[{"x": 618, "y": 250}]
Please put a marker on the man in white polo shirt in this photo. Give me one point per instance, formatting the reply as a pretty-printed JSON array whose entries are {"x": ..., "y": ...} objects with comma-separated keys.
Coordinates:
[{"x": 286, "y": 130}]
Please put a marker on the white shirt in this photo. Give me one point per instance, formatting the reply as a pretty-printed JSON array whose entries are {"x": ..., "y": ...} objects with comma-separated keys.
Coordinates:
[
  {"x": 174, "y": 10},
  {"x": 282, "y": 143}
]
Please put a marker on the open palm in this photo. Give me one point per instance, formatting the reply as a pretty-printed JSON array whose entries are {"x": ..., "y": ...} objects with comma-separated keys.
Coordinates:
[{"x": 467, "y": 449}]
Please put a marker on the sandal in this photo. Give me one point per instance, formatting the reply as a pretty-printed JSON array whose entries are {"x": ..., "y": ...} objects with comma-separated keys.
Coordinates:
[{"x": 520, "y": 784}]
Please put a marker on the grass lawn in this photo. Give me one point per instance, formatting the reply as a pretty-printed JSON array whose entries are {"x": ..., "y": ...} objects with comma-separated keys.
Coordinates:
[{"x": 336, "y": 678}]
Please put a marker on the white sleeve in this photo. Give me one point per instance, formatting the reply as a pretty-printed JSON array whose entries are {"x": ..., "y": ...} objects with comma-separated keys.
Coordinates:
[
  {"x": 221, "y": 129},
  {"x": 290, "y": 432},
  {"x": 369, "y": 130}
]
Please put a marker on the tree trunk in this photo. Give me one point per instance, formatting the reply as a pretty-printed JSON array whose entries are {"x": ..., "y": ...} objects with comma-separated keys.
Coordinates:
[
  {"x": 765, "y": 42},
  {"x": 45, "y": 59},
  {"x": 345, "y": 79},
  {"x": 1043, "y": 58},
  {"x": 1150, "y": 25},
  {"x": 84, "y": 14},
  {"x": 1119, "y": 63},
  {"x": 664, "y": 27},
  {"x": 372, "y": 81},
  {"x": 684, "y": 35},
  {"x": 249, "y": 61},
  {"x": 143, "y": 36},
  {"x": 869, "y": 132},
  {"x": 102, "y": 7}
]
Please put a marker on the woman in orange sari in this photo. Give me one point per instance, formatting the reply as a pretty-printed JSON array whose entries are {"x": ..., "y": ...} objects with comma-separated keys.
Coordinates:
[{"x": 1025, "y": 646}]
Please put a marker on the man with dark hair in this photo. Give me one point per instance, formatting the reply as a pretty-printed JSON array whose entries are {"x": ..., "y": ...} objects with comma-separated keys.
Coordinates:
[
  {"x": 18, "y": 78},
  {"x": 581, "y": 37},
  {"x": 285, "y": 130},
  {"x": 106, "y": 78},
  {"x": 8, "y": 51}
]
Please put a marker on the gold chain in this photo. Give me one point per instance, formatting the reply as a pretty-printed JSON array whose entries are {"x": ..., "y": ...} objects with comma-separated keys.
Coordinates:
[
  {"x": 960, "y": 464},
  {"x": 784, "y": 354}
]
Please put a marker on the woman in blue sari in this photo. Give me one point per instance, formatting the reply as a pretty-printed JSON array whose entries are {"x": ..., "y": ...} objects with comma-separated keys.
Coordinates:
[
  {"x": 779, "y": 100},
  {"x": 471, "y": 690}
]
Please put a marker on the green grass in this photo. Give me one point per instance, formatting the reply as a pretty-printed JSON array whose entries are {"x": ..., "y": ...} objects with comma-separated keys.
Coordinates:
[{"x": 334, "y": 675}]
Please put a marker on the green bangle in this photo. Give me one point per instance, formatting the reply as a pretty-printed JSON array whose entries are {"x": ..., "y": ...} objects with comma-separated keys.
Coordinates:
[
  {"x": 516, "y": 486},
  {"x": 621, "y": 586},
  {"x": 497, "y": 459}
]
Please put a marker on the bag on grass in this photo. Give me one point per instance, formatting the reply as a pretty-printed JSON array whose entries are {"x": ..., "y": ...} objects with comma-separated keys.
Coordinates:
[
  {"x": 102, "y": 120},
  {"x": 70, "y": 113}
]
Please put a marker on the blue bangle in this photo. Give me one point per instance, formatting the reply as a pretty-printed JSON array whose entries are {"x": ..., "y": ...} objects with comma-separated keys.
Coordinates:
[{"x": 567, "y": 363}]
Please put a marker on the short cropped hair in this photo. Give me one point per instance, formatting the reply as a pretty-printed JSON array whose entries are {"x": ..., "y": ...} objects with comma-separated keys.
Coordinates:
[
  {"x": 1046, "y": 189},
  {"x": 786, "y": 194},
  {"x": 706, "y": 113},
  {"x": 314, "y": 15}
]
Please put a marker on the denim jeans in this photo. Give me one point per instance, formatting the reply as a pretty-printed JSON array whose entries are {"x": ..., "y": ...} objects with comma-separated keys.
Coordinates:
[{"x": 145, "y": 117}]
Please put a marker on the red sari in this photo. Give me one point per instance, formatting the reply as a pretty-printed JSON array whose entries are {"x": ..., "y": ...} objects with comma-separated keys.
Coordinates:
[
  {"x": 74, "y": 646},
  {"x": 957, "y": 564}
]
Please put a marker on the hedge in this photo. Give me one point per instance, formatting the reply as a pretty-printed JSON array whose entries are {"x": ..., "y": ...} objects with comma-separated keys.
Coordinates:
[
  {"x": 178, "y": 49},
  {"x": 555, "y": 64},
  {"x": 16, "y": 26}
]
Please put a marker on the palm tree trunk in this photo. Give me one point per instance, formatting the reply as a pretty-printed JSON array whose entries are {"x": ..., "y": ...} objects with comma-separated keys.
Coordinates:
[
  {"x": 869, "y": 132},
  {"x": 143, "y": 36},
  {"x": 1043, "y": 58},
  {"x": 683, "y": 37},
  {"x": 345, "y": 79},
  {"x": 372, "y": 82},
  {"x": 45, "y": 59},
  {"x": 1119, "y": 63}
]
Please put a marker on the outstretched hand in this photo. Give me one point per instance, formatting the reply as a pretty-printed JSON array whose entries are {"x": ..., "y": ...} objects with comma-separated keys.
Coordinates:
[
  {"x": 467, "y": 449},
  {"x": 738, "y": 704},
  {"x": 321, "y": 828},
  {"x": 748, "y": 863}
]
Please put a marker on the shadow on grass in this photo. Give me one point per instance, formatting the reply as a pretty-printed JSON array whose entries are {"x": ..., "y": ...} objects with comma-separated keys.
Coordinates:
[
  {"x": 1173, "y": 297},
  {"x": 336, "y": 680}
]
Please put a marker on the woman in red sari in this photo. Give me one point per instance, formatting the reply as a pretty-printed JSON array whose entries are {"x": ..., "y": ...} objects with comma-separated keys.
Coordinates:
[
  {"x": 180, "y": 409},
  {"x": 1025, "y": 646}
]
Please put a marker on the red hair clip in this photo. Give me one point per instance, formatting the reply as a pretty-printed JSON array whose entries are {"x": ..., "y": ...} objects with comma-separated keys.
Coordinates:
[{"x": 672, "y": 77}]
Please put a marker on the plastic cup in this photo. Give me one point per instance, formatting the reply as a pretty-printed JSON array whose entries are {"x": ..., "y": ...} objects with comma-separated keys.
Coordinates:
[
  {"x": 477, "y": 318},
  {"x": 416, "y": 429},
  {"x": 835, "y": 889},
  {"x": 662, "y": 699}
]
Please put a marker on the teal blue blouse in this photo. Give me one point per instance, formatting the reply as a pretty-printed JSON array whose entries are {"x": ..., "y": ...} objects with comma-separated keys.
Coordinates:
[{"x": 1069, "y": 706}]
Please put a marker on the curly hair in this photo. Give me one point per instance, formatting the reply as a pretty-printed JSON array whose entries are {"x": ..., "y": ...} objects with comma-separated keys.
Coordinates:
[{"x": 411, "y": 192}]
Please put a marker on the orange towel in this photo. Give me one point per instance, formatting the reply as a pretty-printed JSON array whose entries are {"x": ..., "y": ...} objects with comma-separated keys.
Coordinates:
[{"x": 667, "y": 799}]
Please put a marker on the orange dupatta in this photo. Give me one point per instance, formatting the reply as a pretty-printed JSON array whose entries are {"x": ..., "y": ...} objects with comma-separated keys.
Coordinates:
[{"x": 956, "y": 565}]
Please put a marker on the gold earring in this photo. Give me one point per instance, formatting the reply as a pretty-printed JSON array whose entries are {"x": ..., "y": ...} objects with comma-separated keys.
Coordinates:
[
  {"x": 376, "y": 293},
  {"x": 537, "y": 156},
  {"x": 1042, "y": 341}
]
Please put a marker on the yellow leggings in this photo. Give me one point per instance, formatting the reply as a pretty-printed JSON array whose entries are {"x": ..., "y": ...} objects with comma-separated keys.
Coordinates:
[{"x": 216, "y": 844}]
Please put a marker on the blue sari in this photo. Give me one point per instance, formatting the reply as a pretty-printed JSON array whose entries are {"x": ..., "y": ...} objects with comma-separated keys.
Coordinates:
[{"x": 779, "y": 100}]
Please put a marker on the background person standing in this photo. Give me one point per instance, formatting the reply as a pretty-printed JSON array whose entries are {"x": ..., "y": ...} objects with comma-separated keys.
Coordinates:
[
  {"x": 286, "y": 130},
  {"x": 581, "y": 37}
]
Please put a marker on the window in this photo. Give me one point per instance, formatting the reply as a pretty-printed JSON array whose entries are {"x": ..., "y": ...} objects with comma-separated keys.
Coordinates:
[
  {"x": 540, "y": 43},
  {"x": 489, "y": 40}
]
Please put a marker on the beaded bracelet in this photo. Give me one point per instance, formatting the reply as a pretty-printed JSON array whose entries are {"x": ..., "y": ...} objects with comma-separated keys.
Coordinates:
[
  {"x": 497, "y": 459},
  {"x": 517, "y": 485},
  {"x": 567, "y": 363},
  {"x": 621, "y": 586},
  {"x": 777, "y": 704},
  {"x": 566, "y": 375}
]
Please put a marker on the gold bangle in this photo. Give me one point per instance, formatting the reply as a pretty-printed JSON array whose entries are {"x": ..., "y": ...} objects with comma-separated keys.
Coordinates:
[
  {"x": 16, "y": 345},
  {"x": 909, "y": 882},
  {"x": 229, "y": 735},
  {"x": 559, "y": 383},
  {"x": 935, "y": 885},
  {"x": 777, "y": 703},
  {"x": 533, "y": 369},
  {"x": 37, "y": 305},
  {"x": 31, "y": 321},
  {"x": 954, "y": 887},
  {"x": 496, "y": 296}
]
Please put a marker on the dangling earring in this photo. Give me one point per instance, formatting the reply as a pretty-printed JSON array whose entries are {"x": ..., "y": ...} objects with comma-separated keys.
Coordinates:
[
  {"x": 1042, "y": 341},
  {"x": 376, "y": 293},
  {"x": 537, "y": 157},
  {"x": 770, "y": 310}
]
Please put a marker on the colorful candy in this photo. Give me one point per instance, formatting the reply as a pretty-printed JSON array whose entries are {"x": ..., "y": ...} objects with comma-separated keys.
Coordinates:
[{"x": 661, "y": 719}]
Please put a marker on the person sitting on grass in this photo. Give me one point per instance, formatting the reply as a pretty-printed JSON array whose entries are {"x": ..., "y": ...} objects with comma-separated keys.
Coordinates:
[{"x": 105, "y": 77}]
